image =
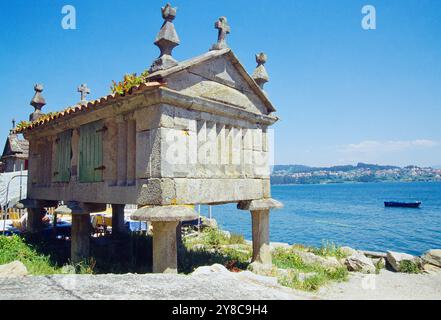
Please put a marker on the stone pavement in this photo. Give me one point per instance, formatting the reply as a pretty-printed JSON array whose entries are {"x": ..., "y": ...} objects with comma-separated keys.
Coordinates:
[{"x": 146, "y": 287}]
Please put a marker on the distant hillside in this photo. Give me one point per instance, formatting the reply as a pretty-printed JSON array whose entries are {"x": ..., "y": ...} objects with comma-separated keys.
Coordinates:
[
  {"x": 362, "y": 172},
  {"x": 295, "y": 168}
]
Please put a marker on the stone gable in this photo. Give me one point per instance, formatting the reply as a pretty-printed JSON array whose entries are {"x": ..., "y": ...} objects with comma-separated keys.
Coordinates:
[{"x": 217, "y": 76}]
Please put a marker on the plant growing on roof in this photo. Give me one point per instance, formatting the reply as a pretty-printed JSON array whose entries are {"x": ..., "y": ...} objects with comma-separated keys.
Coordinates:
[
  {"x": 129, "y": 81},
  {"x": 21, "y": 125},
  {"x": 46, "y": 116}
]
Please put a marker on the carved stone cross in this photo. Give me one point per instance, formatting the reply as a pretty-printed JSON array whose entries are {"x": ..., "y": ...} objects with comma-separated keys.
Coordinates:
[
  {"x": 13, "y": 127},
  {"x": 224, "y": 29},
  {"x": 84, "y": 90}
]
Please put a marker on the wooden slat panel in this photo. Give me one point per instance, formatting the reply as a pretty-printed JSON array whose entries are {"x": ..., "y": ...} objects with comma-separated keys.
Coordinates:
[
  {"x": 63, "y": 157},
  {"x": 91, "y": 152},
  {"x": 98, "y": 150}
]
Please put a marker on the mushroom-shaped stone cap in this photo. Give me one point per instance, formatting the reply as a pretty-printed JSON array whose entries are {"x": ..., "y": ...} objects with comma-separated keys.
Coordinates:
[
  {"x": 262, "y": 204},
  {"x": 165, "y": 213},
  {"x": 63, "y": 210},
  {"x": 70, "y": 208},
  {"x": 19, "y": 206}
]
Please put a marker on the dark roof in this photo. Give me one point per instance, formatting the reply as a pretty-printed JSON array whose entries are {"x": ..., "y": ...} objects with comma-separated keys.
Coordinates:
[{"x": 16, "y": 147}]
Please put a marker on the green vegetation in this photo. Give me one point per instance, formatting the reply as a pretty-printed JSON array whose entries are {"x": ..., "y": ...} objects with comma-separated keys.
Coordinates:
[
  {"x": 215, "y": 246},
  {"x": 43, "y": 256},
  {"x": 132, "y": 254},
  {"x": 314, "y": 281},
  {"x": 213, "y": 237},
  {"x": 22, "y": 125},
  {"x": 15, "y": 248},
  {"x": 314, "y": 274},
  {"x": 379, "y": 265},
  {"x": 129, "y": 254},
  {"x": 408, "y": 266},
  {"x": 129, "y": 81},
  {"x": 328, "y": 249}
]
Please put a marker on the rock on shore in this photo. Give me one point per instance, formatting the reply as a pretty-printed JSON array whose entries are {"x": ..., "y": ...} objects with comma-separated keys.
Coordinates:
[
  {"x": 13, "y": 269},
  {"x": 396, "y": 258},
  {"x": 310, "y": 258},
  {"x": 359, "y": 262},
  {"x": 433, "y": 257}
]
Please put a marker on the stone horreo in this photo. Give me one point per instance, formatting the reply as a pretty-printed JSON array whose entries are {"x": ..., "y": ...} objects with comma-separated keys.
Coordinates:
[{"x": 196, "y": 132}]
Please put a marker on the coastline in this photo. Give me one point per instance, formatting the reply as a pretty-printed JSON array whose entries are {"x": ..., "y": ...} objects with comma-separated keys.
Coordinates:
[
  {"x": 352, "y": 182},
  {"x": 348, "y": 214}
]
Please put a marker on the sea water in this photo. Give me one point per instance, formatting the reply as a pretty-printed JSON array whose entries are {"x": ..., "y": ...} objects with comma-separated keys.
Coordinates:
[{"x": 348, "y": 215}]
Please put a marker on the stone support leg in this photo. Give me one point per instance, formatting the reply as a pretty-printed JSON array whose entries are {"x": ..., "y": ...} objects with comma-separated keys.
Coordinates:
[
  {"x": 118, "y": 219},
  {"x": 34, "y": 222},
  {"x": 261, "y": 248},
  {"x": 166, "y": 233},
  {"x": 260, "y": 222},
  {"x": 164, "y": 247},
  {"x": 35, "y": 212},
  {"x": 80, "y": 237}
]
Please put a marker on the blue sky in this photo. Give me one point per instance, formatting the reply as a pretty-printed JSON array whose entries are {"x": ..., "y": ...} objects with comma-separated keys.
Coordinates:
[{"x": 343, "y": 94}]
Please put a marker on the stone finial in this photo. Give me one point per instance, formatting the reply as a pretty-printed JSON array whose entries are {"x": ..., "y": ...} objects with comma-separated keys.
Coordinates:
[
  {"x": 166, "y": 40},
  {"x": 223, "y": 29},
  {"x": 260, "y": 75},
  {"x": 84, "y": 90},
  {"x": 37, "y": 102}
]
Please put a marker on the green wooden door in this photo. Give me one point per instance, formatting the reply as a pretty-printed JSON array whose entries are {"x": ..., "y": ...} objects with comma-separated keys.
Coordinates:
[
  {"x": 91, "y": 152},
  {"x": 63, "y": 156}
]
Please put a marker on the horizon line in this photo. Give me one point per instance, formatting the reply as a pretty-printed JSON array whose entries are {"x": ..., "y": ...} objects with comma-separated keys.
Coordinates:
[{"x": 355, "y": 165}]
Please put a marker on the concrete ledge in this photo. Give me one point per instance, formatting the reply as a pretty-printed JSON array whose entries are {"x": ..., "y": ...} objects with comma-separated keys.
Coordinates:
[
  {"x": 262, "y": 204},
  {"x": 164, "y": 213}
]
